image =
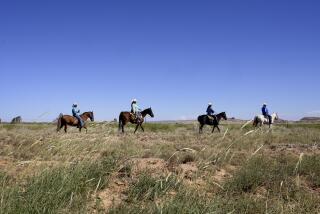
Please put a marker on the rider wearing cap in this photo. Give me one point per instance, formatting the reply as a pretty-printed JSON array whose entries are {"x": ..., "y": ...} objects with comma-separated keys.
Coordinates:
[
  {"x": 75, "y": 113},
  {"x": 265, "y": 113},
  {"x": 135, "y": 109}
]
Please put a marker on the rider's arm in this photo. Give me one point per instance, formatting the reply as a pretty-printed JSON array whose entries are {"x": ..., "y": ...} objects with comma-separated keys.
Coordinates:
[{"x": 75, "y": 111}]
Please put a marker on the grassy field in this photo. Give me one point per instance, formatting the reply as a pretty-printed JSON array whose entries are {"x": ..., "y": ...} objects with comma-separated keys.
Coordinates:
[{"x": 168, "y": 169}]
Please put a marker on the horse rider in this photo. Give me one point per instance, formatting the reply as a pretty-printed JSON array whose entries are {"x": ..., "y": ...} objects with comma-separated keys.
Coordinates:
[
  {"x": 135, "y": 109},
  {"x": 75, "y": 113},
  {"x": 210, "y": 112},
  {"x": 265, "y": 113}
]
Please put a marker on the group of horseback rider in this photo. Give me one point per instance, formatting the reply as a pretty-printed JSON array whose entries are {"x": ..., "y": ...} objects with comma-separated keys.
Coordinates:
[
  {"x": 264, "y": 109},
  {"x": 136, "y": 112}
]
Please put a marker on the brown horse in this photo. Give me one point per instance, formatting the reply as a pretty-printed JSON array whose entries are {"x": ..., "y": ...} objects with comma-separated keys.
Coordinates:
[
  {"x": 65, "y": 120},
  {"x": 126, "y": 117}
]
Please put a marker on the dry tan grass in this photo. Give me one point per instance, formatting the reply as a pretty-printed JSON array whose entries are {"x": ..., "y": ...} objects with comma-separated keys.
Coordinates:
[{"x": 202, "y": 162}]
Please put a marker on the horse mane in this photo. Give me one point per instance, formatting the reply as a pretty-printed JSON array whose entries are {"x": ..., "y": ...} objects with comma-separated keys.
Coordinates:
[
  {"x": 87, "y": 112},
  {"x": 222, "y": 113},
  {"x": 147, "y": 109}
]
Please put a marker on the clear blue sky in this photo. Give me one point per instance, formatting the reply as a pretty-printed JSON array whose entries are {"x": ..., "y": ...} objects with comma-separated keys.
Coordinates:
[{"x": 175, "y": 56}]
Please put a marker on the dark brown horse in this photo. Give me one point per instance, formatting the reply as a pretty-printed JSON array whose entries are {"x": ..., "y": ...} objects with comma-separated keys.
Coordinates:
[
  {"x": 126, "y": 117},
  {"x": 205, "y": 120},
  {"x": 65, "y": 120}
]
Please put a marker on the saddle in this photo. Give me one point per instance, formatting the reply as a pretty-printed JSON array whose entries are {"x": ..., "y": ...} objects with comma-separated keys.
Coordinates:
[
  {"x": 136, "y": 118},
  {"x": 267, "y": 118},
  {"x": 76, "y": 121},
  {"x": 211, "y": 117},
  {"x": 132, "y": 116}
]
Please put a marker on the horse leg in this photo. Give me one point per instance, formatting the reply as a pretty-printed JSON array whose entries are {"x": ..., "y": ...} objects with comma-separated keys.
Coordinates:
[
  {"x": 120, "y": 125},
  {"x": 65, "y": 128},
  {"x": 142, "y": 127},
  {"x": 59, "y": 128},
  {"x": 218, "y": 128},
  {"x": 136, "y": 128},
  {"x": 200, "y": 128},
  {"x": 213, "y": 129}
]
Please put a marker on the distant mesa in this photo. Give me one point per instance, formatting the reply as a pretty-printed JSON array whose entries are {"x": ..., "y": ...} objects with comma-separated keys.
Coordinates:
[
  {"x": 310, "y": 119},
  {"x": 16, "y": 120},
  {"x": 233, "y": 119},
  {"x": 281, "y": 121}
]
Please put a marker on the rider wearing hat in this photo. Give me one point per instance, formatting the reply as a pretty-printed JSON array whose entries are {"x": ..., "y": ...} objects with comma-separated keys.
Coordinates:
[
  {"x": 135, "y": 109},
  {"x": 75, "y": 113},
  {"x": 265, "y": 113}
]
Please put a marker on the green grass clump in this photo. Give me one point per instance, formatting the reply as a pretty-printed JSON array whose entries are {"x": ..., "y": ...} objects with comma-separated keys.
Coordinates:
[
  {"x": 57, "y": 190},
  {"x": 310, "y": 167},
  {"x": 162, "y": 127},
  {"x": 262, "y": 171},
  {"x": 185, "y": 201},
  {"x": 188, "y": 201},
  {"x": 149, "y": 188}
]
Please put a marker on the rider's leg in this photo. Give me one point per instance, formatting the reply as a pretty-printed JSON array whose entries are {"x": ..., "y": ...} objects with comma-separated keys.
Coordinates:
[
  {"x": 139, "y": 116},
  {"x": 80, "y": 121},
  {"x": 266, "y": 117},
  {"x": 270, "y": 119}
]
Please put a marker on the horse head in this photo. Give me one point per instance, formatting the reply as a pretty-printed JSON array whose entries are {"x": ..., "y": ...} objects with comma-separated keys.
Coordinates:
[
  {"x": 91, "y": 115},
  {"x": 224, "y": 115},
  {"x": 150, "y": 112}
]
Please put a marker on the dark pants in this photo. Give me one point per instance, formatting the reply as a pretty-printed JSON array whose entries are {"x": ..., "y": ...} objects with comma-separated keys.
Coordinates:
[
  {"x": 80, "y": 120},
  {"x": 268, "y": 117}
]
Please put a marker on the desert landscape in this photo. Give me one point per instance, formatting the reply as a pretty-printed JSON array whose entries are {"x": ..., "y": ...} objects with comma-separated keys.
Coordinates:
[{"x": 168, "y": 169}]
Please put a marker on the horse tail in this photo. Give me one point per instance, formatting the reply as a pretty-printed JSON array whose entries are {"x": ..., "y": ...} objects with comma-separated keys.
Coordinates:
[
  {"x": 200, "y": 119},
  {"x": 255, "y": 121},
  {"x": 120, "y": 121},
  {"x": 59, "y": 123}
]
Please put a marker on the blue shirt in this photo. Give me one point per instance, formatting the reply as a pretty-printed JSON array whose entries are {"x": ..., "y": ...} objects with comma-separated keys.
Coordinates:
[
  {"x": 75, "y": 111},
  {"x": 210, "y": 110},
  {"x": 265, "y": 110}
]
